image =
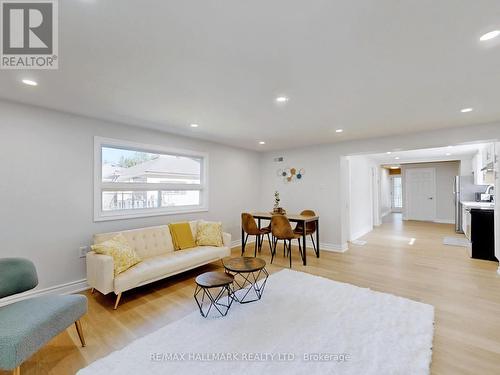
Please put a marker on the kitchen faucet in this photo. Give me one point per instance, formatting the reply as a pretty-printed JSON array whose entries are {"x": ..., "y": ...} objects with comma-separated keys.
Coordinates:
[{"x": 488, "y": 189}]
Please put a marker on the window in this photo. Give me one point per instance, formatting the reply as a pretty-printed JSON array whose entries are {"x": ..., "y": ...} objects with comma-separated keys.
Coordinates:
[
  {"x": 397, "y": 193},
  {"x": 133, "y": 180}
]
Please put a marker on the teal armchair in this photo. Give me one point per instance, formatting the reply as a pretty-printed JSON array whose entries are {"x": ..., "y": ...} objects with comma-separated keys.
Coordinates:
[{"x": 27, "y": 325}]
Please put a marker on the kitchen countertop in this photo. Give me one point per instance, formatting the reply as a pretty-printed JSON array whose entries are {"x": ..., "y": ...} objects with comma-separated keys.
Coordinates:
[{"x": 478, "y": 204}]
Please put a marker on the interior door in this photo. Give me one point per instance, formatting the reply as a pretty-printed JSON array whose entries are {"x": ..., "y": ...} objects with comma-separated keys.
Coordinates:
[{"x": 420, "y": 193}]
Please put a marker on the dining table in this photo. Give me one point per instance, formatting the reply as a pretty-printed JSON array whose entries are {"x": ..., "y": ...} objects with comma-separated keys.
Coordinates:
[{"x": 294, "y": 218}]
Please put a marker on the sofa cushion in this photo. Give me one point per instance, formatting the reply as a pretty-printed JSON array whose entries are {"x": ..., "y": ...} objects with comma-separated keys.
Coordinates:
[
  {"x": 27, "y": 325},
  {"x": 182, "y": 236},
  {"x": 167, "y": 264},
  {"x": 124, "y": 256},
  {"x": 147, "y": 242},
  {"x": 209, "y": 234}
]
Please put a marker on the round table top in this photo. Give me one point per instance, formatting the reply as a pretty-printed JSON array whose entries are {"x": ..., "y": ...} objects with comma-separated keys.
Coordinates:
[
  {"x": 244, "y": 264},
  {"x": 214, "y": 279}
]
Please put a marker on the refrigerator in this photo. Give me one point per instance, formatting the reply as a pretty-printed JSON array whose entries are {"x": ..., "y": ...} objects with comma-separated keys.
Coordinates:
[{"x": 464, "y": 189}]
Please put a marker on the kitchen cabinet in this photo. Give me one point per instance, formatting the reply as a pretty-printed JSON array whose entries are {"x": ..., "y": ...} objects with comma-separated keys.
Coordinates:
[
  {"x": 477, "y": 165},
  {"x": 488, "y": 154},
  {"x": 464, "y": 220},
  {"x": 484, "y": 157}
]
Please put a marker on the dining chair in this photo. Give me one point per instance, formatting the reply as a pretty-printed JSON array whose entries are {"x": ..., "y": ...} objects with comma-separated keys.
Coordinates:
[
  {"x": 310, "y": 227},
  {"x": 282, "y": 230},
  {"x": 250, "y": 228}
]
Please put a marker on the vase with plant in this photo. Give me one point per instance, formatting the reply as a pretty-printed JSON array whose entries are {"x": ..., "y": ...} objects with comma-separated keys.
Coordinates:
[{"x": 277, "y": 209}]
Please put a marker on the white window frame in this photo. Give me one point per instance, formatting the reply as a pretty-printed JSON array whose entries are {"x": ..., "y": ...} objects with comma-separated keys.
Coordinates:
[{"x": 100, "y": 186}]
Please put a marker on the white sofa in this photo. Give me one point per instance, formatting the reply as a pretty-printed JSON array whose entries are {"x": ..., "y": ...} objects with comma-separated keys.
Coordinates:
[{"x": 159, "y": 260}]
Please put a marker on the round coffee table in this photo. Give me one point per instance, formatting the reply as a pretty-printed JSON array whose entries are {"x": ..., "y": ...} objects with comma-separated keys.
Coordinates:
[
  {"x": 250, "y": 277},
  {"x": 218, "y": 282}
]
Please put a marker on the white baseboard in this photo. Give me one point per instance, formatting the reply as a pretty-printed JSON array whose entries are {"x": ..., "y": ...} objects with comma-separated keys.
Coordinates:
[
  {"x": 67, "y": 288},
  {"x": 361, "y": 233},
  {"x": 339, "y": 248},
  {"x": 237, "y": 243},
  {"x": 444, "y": 221}
]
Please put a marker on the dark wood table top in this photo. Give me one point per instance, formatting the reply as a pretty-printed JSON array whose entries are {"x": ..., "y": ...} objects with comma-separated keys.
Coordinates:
[
  {"x": 291, "y": 217},
  {"x": 244, "y": 264},
  {"x": 214, "y": 279}
]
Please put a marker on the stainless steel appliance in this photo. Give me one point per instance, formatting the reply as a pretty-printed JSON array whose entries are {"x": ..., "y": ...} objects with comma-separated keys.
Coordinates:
[{"x": 464, "y": 189}]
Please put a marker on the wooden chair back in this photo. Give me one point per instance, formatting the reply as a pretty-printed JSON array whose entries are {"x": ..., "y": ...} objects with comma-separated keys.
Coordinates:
[{"x": 281, "y": 228}]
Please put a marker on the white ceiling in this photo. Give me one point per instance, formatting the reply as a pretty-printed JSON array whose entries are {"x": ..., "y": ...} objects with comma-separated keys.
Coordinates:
[
  {"x": 372, "y": 67},
  {"x": 428, "y": 155}
]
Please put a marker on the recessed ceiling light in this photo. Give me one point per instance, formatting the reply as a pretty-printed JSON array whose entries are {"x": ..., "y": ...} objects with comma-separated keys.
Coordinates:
[
  {"x": 388, "y": 152},
  {"x": 194, "y": 125},
  {"x": 394, "y": 167},
  {"x": 29, "y": 82},
  {"x": 282, "y": 99},
  {"x": 490, "y": 35},
  {"x": 397, "y": 158},
  {"x": 465, "y": 110},
  {"x": 339, "y": 130},
  {"x": 448, "y": 154},
  {"x": 262, "y": 143}
]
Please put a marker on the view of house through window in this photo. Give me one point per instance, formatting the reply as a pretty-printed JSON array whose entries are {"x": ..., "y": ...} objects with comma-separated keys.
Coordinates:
[{"x": 148, "y": 181}]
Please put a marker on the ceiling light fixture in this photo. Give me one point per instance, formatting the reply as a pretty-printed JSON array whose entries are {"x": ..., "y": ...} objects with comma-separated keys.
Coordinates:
[
  {"x": 262, "y": 143},
  {"x": 30, "y": 82},
  {"x": 339, "y": 130},
  {"x": 194, "y": 125},
  {"x": 397, "y": 158},
  {"x": 394, "y": 167},
  {"x": 388, "y": 152},
  {"x": 282, "y": 99},
  {"x": 466, "y": 110},
  {"x": 490, "y": 35},
  {"x": 448, "y": 154}
]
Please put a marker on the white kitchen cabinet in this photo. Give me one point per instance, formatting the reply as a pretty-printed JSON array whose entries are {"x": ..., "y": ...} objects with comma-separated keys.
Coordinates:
[
  {"x": 477, "y": 165},
  {"x": 464, "y": 219},
  {"x": 488, "y": 154}
]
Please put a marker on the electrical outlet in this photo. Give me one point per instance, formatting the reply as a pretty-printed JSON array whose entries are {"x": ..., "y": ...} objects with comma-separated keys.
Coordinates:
[{"x": 82, "y": 251}]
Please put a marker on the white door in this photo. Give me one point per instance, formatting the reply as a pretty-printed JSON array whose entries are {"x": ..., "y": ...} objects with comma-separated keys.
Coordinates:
[{"x": 420, "y": 193}]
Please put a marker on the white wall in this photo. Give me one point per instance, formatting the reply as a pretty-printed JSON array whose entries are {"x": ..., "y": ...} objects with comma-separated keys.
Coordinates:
[
  {"x": 466, "y": 167},
  {"x": 361, "y": 197},
  {"x": 385, "y": 192},
  {"x": 47, "y": 163},
  {"x": 445, "y": 177},
  {"x": 325, "y": 185}
]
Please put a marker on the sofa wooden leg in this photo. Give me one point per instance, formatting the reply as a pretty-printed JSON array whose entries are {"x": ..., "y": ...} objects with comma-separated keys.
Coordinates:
[
  {"x": 117, "y": 300},
  {"x": 92, "y": 291},
  {"x": 17, "y": 371},
  {"x": 79, "y": 330}
]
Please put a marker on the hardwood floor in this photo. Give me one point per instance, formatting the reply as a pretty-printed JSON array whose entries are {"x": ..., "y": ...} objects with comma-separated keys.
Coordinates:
[{"x": 406, "y": 259}]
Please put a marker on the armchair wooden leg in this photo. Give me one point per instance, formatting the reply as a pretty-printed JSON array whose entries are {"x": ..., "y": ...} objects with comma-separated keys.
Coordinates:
[
  {"x": 17, "y": 371},
  {"x": 79, "y": 330},
  {"x": 117, "y": 300},
  {"x": 92, "y": 290}
]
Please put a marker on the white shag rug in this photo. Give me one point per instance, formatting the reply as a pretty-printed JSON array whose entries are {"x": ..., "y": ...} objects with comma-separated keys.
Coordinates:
[{"x": 302, "y": 325}]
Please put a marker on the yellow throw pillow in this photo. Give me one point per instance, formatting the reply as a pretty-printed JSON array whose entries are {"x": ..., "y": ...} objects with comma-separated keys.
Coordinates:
[
  {"x": 124, "y": 256},
  {"x": 209, "y": 234},
  {"x": 182, "y": 237}
]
